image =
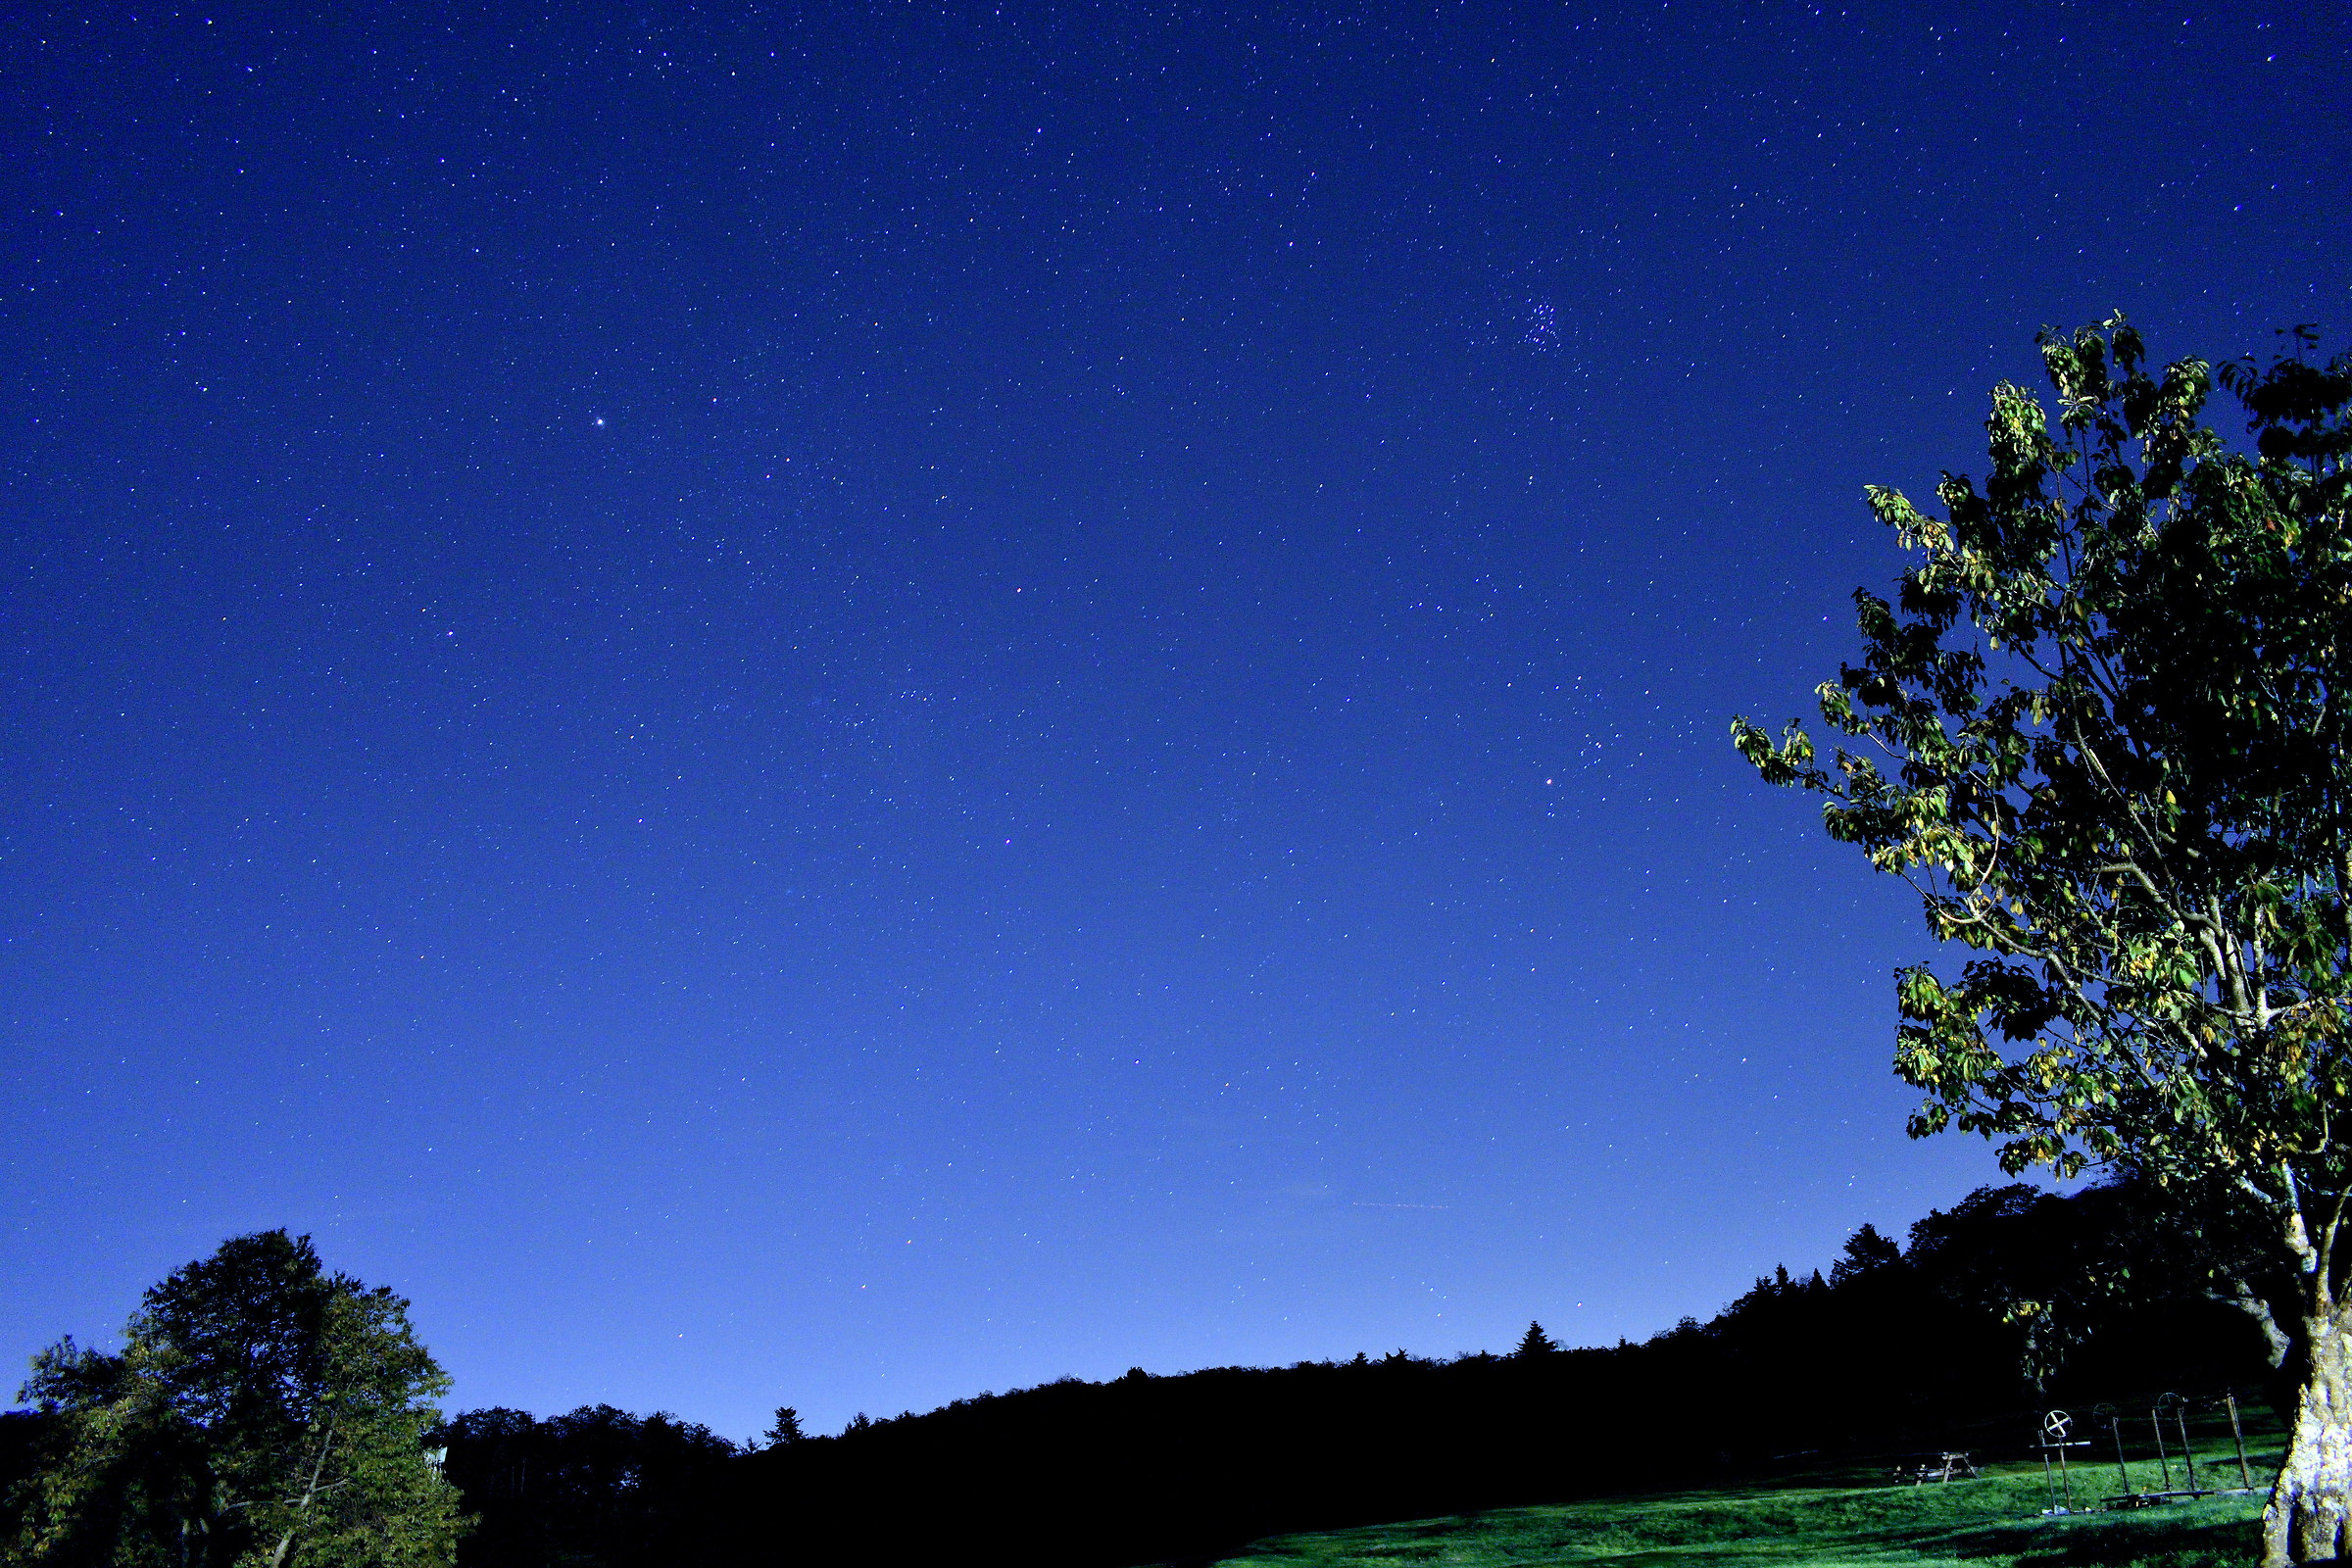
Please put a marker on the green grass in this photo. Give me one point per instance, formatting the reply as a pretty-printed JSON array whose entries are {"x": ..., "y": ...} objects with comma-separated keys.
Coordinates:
[{"x": 1834, "y": 1521}]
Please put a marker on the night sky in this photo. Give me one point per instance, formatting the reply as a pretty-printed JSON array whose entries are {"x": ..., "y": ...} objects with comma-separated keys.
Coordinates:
[{"x": 841, "y": 704}]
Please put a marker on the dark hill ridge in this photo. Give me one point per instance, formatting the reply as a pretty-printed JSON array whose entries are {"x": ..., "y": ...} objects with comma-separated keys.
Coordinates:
[{"x": 2012, "y": 1300}]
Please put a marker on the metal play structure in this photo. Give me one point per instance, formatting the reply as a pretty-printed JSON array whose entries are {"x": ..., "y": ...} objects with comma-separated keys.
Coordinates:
[{"x": 2167, "y": 1410}]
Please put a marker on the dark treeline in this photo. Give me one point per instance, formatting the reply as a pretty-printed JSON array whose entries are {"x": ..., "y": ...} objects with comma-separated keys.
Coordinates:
[
  {"x": 2012, "y": 1300},
  {"x": 597, "y": 1486}
]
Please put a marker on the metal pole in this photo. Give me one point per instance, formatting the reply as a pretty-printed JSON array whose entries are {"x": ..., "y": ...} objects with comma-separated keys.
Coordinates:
[
  {"x": 2066, "y": 1479},
  {"x": 2244, "y": 1476},
  {"x": 2188, "y": 1455},
  {"x": 2114, "y": 1425},
  {"x": 2048, "y": 1480},
  {"x": 2157, "y": 1427}
]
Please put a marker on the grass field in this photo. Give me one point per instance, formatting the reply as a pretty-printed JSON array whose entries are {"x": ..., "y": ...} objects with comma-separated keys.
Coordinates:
[{"x": 1839, "y": 1521}]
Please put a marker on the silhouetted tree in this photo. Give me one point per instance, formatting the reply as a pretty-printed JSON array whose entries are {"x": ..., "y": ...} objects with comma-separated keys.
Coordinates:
[
  {"x": 1534, "y": 1342},
  {"x": 1865, "y": 1250},
  {"x": 595, "y": 1485}
]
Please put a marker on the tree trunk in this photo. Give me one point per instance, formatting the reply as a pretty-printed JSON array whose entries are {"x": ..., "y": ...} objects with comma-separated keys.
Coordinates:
[{"x": 2310, "y": 1514}]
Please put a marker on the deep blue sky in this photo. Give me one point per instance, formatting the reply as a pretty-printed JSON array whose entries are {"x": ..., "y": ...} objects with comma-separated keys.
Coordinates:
[{"x": 841, "y": 704}]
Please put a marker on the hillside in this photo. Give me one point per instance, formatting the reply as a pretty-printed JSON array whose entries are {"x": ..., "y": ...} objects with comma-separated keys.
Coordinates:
[{"x": 1891, "y": 1349}]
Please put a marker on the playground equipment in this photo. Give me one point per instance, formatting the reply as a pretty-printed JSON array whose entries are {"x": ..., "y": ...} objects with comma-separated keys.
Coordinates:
[
  {"x": 2167, "y": 1409},
  {"x": 2054, "y": 1442}
]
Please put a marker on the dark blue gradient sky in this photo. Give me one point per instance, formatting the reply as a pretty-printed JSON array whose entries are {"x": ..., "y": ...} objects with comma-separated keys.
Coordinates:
[{"x": 841, "y": 704}]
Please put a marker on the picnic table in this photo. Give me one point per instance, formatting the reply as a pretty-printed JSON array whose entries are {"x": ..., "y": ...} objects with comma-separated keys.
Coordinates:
[{"x": 1941, "y": 1466}]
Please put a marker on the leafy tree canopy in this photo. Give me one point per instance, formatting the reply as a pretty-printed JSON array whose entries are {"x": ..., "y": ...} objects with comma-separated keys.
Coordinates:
[
  {"x": 2105, "y": 739},
  {"x": 2102, "y": 729},
  {"x": 262, "y": 1411}
]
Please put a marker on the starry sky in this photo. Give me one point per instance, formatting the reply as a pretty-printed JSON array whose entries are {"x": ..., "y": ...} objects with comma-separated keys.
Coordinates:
[{"x": 841, "y": 704}]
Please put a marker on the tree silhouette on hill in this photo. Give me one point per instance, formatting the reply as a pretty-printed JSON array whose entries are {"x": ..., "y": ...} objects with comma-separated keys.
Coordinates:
[{"x": 1866, "y": 1250}]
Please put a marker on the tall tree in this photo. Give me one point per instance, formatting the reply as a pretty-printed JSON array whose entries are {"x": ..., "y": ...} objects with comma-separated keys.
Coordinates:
[
  {"x": 1865, "y": 1251},
  {"x": 1534, "y": 1342},
  {"x": 263, "y": 1412},
  {"x": 2104, "y": 729}
]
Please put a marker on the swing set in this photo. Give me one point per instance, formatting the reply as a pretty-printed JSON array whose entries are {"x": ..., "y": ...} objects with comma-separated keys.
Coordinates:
[{"x": 2167, "y": 1409}]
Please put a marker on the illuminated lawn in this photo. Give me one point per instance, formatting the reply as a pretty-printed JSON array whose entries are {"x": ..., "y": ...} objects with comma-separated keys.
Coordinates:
[{"x": 1992, "y": 1523}]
